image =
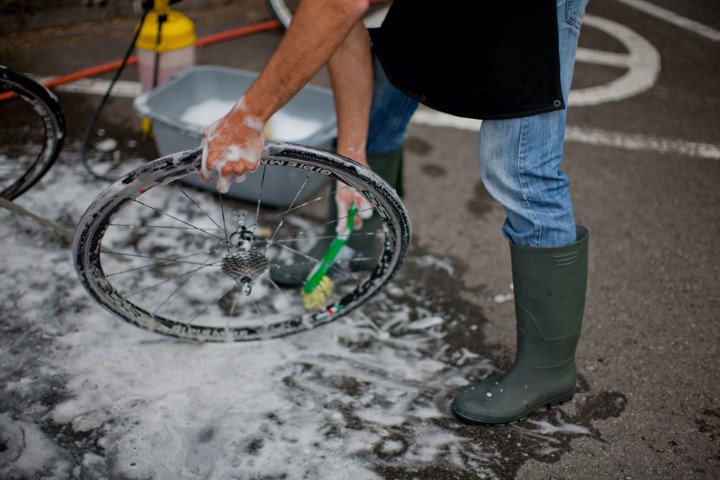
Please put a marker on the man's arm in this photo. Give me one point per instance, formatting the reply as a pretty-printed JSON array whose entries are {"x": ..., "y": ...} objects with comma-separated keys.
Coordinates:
[
  {"x": 351, "y": 74},
  {"x": 234, "y": 143}
]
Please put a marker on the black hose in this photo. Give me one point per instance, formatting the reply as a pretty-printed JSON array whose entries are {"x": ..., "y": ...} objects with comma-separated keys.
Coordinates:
[
  {"x": 156, "y": 66},
  {"x": 96, "y": 114}
]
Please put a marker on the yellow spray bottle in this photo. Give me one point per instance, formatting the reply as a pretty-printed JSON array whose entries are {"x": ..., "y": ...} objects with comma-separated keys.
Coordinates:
[{"x": 165, "y": 46}]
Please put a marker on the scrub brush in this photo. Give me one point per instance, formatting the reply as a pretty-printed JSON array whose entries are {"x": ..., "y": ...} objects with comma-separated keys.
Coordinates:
[{"x": 319, "y": 287}]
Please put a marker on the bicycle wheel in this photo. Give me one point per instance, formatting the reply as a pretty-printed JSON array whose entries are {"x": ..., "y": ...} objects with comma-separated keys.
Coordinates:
[
  {"x": 283, "y": 11},
  {"x": 33, "y": 130},
  {"x": 194, "y": 264}
]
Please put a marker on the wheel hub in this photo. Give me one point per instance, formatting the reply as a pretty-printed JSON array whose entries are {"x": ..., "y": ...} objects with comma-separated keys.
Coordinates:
[
  {"x": 244, "y": 266},
  {"x": 243, "y": 263}
]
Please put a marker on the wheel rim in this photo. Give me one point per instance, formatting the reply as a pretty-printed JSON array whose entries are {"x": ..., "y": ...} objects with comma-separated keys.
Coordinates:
[
  {"x": 283, "y": 10},
  {"x": 32, "y": 127},
  {"x": 181, "y": 267}
]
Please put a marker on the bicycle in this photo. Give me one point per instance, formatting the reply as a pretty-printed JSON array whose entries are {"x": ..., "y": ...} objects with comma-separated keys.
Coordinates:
[
  {"x": 33, "y": 131},
  {"x": 195, "y": 264},
  {"x": 283, "y": 11}
]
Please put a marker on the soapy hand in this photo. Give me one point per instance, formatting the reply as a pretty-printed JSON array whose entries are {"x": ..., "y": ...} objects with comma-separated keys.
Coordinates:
[
  {"x": 231, "y": 146},
  {"x": 344, "y": 196}
]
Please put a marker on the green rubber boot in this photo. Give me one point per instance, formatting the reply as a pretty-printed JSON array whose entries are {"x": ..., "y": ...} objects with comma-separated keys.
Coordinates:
[
  {"x": 364, "y": 246},
  {"x": 550, "y": 285}
]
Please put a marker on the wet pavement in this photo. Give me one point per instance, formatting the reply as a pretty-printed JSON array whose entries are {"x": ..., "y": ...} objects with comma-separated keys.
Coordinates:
[{"x": 643, "y": 158}]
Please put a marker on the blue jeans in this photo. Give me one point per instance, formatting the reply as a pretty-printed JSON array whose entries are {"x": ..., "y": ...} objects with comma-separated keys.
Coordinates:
[
  {"x": 390, "y": 113},
  {"x": 519, "y": 158}
]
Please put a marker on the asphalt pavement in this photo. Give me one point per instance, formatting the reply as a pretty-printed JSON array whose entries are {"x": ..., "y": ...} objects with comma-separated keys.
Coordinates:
[{"x": 643, "y": 157}]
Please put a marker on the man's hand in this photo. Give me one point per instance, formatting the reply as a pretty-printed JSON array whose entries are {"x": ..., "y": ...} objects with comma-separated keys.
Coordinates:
[
  {"x": 344, "y": 197},
  {"x": 232, "y": 146}
]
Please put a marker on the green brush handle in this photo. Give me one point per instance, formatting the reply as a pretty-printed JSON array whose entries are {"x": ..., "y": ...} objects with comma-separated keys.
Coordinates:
[{"x": 327, "y": 260}]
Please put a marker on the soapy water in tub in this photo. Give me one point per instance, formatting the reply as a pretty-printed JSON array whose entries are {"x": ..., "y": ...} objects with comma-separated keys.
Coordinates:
[{"x": 282, "y": 127}]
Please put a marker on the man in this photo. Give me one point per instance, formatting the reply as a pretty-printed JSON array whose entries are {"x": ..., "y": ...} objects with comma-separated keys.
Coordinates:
[{"x": 509, "y": 64}]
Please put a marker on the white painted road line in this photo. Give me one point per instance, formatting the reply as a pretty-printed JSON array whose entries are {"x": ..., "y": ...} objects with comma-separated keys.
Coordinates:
[
  {"x": 674, "y": 18},
  {"x": 639, "y": 142},
  {"x": 588, "y": 136},
  {"x": 641, "y": 64},
  {"x": 97, "y": 86},
  {"x": 426, "y": 116}
]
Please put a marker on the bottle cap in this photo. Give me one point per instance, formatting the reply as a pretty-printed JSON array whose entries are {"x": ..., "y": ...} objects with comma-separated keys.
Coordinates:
[{"x": 177, "y": 32}]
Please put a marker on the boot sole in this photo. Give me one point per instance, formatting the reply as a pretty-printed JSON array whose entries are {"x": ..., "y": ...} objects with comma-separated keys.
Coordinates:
[{"x": 550, "y": 404}]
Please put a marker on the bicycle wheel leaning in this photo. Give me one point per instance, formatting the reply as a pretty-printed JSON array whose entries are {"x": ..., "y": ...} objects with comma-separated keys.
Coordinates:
[
  {"x": 283, "y": 11},
  {"x": 33, "y": 131},
  {"x": 195, "y": 264}
]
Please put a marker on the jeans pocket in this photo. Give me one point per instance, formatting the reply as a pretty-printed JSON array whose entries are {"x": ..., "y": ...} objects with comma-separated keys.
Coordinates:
[{"x": 574, "y": 11}]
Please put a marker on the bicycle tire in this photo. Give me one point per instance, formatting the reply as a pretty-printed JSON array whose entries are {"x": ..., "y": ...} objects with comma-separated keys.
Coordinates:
[
  {"x": 283, "y": 10},
  {"x": 220, "y": 323},
  {"x": 45, "y": 105}
]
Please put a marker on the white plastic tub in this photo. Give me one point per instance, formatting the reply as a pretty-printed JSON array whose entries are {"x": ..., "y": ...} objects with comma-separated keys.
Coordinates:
[{"x": 196, "y": 97}]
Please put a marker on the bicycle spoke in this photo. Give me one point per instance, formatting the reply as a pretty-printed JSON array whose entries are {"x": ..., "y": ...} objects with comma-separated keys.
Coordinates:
[
  {"x": 257, "y": 212},
  {"x": 307, "y": 177},
  {"x": 152, "y": 287},
  {"x": 303, "y": 205},
  {"x": 182, "y": 284},
  {"x": 296, "y": 207},
  {"x": 193, "y": 227},
  {"x": 159, "y": 227},
  {"x": 316, "y": 227},
  {"x": 281, "y": 267},
  {"x": 327, "y": 223},
  {"x": 323, "y": 237},
  {"x": 221, "y": 282},
  {"x": 298, "y": 252},
  {"x": 222, "y": 212},
  {"x": 167, "y": 261},
  {"x": 198, "y": 206},
  {"x": 279, "y": 290},
  {"x": 207, "y": 307},
  {"x": 258, "y": 310},
  {"x": 235, "y": 297}
]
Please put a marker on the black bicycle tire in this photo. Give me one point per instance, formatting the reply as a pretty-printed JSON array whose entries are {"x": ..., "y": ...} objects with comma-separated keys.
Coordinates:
[
  {"x": 45, "y": 103},
  {"x": 284, "y": 14},
  {"x": 95, "y": 221},
  {"x": 281, "y": 12}
]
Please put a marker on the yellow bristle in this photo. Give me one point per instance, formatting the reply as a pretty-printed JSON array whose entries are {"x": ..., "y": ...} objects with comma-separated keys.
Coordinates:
[{"x": 317, "y": 299}]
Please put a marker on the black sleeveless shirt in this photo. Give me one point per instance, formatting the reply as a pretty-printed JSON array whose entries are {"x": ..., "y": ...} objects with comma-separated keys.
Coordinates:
[{"x": 474, "y": 58}]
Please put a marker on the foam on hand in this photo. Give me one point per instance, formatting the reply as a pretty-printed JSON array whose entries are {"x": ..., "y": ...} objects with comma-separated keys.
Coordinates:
[{"x": 249, "y": 153}]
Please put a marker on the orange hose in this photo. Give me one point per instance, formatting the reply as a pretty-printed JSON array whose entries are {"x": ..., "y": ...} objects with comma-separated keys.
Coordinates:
[
  {"x": 237, "y": 32},
  {"x": 201, "y": 42}
]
